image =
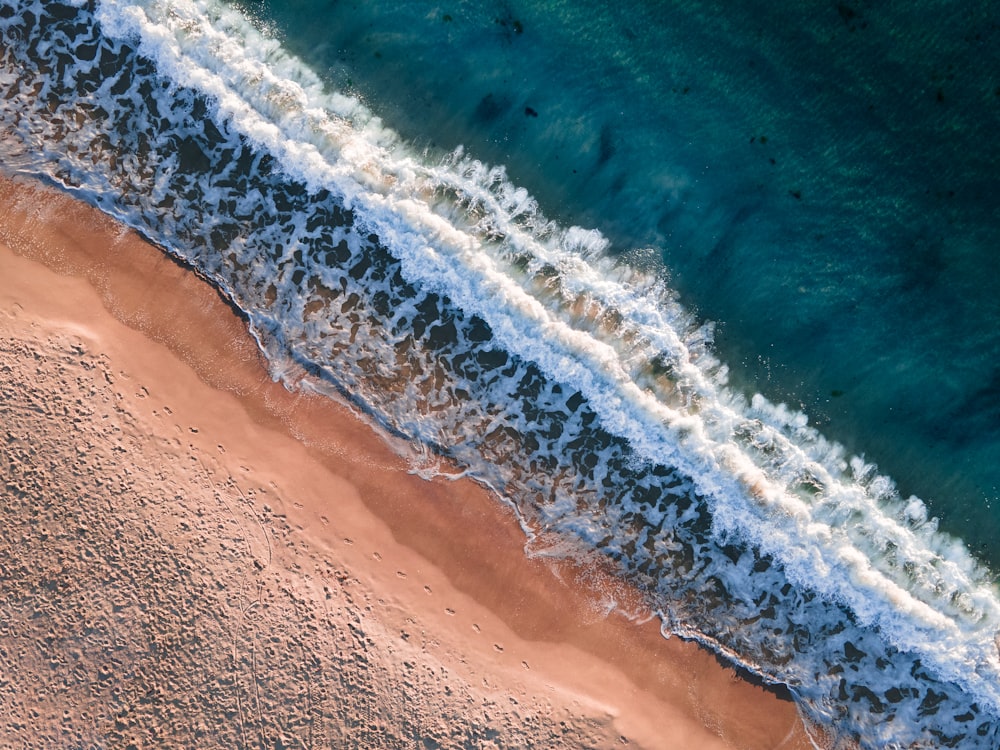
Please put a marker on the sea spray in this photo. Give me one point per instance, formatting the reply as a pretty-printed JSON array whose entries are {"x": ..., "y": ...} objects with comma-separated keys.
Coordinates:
[{"x": 437, "y": 295}]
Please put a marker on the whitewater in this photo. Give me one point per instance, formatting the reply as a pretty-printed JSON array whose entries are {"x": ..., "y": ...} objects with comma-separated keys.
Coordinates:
[{"x": 434, "y": 293}]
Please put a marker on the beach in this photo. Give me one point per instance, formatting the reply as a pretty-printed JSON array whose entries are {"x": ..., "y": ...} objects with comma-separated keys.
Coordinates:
[{"x": 194, "y": 555}]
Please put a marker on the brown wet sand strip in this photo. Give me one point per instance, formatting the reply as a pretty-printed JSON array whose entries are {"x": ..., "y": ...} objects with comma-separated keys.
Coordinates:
[{"x": 192, "y": 555}]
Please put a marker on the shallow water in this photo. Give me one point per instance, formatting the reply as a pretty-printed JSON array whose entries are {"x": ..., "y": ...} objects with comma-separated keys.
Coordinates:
[{"x": 445, "y": 301}]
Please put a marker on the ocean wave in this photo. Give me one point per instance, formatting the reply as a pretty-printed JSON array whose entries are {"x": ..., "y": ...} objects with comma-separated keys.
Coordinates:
[{"x": 433, "y": 292}]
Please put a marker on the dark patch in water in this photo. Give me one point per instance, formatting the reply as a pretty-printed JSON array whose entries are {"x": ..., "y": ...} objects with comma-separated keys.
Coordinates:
[
  {"x": 851, "y": 17},
  {"x": 847, "y": 13},
  {"x": 490, "y": 108},
  {"x": 606, "y": 145}
]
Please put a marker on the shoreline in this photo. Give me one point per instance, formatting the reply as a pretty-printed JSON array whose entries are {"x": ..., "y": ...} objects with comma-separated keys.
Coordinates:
[{"x": 440, "y": 558}]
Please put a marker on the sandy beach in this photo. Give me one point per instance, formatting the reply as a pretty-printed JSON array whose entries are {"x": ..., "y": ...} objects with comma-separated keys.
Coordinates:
[{"x": 193, "y": 556}]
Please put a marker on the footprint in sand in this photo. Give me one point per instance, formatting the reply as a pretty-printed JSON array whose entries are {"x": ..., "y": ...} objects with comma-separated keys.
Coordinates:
[
  {"x": 427, "y": 589},
  {"x": 377, "y": 556},
  {"x": 325, "y": 520},
  {"x": 450, "y": 611},
  {"x": 401, "y": 574},
  {"x": 498, "y": 648},
  {"x": 476, "y": 628}
]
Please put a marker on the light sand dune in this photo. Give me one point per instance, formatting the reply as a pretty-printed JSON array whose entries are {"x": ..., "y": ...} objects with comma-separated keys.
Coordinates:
[{"x": 193, "y": 556}]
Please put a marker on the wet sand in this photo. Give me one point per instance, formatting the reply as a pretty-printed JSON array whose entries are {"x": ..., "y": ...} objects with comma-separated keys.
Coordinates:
[{"x": 192, "y": 555}]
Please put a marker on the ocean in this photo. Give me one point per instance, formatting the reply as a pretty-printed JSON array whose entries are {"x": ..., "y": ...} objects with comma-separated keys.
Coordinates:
[{"x": 706, "y": 293}]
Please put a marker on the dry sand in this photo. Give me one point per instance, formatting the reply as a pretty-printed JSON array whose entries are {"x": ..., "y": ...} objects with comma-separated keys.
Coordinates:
[{"x": 193, "y": 556}]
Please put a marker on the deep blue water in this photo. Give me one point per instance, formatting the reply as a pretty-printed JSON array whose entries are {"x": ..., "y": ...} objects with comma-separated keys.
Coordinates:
[
  {"x": 695, "y": 214},
  {"x": 820, "y": 179}
]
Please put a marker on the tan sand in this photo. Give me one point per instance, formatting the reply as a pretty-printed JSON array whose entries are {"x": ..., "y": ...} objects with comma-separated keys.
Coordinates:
[{"x": 193, "y": 556}]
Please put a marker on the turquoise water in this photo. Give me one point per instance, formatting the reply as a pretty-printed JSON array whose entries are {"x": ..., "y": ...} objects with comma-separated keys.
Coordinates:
[
  {"x": 523, "y": 321},
  {"x": 819, "y": 179}
]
